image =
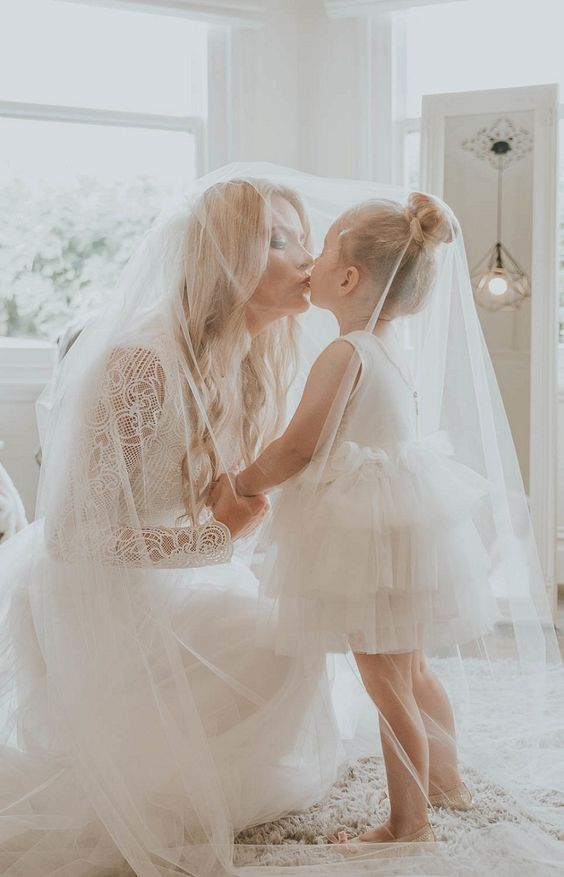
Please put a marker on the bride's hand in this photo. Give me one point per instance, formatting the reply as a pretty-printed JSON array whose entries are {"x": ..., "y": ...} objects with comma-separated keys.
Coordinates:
[{"x": 241, "y": 514}]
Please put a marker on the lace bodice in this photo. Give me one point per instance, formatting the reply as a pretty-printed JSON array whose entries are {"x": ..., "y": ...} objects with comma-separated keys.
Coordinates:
[{"x": 124, "y": 497}]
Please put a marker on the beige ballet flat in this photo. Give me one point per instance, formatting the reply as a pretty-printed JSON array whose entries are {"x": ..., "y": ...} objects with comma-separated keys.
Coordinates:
[
  {"x": 423, "y": 835},
  {"x": 366, "y": 848},
  {"x": 459, "y": 798}
]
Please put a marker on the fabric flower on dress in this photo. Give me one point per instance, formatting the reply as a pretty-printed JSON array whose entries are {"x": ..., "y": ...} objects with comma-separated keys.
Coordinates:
[
  {"x": 414, "y": 454},
  {"x": 366, "y": 461}
]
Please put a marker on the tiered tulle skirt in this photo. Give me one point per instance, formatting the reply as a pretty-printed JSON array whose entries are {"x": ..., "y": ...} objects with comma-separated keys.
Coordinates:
[{"x": 381, "y": 553}]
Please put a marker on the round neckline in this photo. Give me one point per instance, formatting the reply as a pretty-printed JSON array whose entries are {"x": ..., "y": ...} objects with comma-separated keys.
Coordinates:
[{"x": 403, "y": 372}]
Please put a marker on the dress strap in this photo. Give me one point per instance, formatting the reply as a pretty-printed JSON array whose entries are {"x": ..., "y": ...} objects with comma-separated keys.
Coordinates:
[
  {"x": 362, "y": 339},
  {"x": 356, "y": 340}
]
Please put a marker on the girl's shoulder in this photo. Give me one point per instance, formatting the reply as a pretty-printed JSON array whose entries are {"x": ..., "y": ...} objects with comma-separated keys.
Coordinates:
[
  {"x": 379, "y": 358},
  {"x": 365, "y": 343}
]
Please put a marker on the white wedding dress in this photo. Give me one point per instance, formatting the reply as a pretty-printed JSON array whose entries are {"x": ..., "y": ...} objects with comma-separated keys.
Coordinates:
[{"x": 164, "y": 720}]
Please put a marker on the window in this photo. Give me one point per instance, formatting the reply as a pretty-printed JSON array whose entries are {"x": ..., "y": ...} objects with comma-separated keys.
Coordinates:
[
  {"x": 477, "y": 44},
  {"x": 102, "y": 113}
]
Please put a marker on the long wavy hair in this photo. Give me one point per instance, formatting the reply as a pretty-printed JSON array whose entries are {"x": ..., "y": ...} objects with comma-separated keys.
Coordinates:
[{"x": 242, "y": 382}]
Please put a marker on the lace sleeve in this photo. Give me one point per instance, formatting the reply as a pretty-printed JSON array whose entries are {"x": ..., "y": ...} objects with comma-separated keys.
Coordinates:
[
  {"x": 104, "y": 524},
  {"x": 171, "y": 547}
]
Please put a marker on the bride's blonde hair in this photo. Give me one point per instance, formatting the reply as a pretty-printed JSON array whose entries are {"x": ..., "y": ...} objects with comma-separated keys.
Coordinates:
[
  {"x": 242, "y": 381},
  {"x": 373, "y": 235}
]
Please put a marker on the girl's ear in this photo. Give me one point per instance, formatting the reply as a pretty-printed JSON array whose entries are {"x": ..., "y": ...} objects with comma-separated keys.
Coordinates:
[{"x": 350, "y": 281}]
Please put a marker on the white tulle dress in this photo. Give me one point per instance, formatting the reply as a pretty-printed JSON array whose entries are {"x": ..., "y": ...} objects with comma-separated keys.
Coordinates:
[
  {"x": 162, "y": 719},
  {"x": 379, "y": 552}
]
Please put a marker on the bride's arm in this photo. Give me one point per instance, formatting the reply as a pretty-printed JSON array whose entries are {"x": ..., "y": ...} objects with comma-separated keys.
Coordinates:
[
  {"x": 290, "y": 453},
  {"x": 123, "y": 419}
]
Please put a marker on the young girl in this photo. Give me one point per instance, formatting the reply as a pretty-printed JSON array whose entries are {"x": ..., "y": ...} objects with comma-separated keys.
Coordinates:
[{"x": 373, "y": 546}]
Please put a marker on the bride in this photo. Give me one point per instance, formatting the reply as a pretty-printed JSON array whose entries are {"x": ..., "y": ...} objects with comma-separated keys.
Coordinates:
[
  {"x": 139, "y": 714},
  {"x": 146, "y": 718}
]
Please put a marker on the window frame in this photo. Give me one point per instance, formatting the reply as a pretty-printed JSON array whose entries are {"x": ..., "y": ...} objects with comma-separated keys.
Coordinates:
[
  {"x": 41, "y": 358},
  {"x": 107, "y": 118}
]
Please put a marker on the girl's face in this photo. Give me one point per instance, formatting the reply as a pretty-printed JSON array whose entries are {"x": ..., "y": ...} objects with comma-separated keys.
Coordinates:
[
  {"x": 327, "y": 273},
  {"x": 284, "y": 287}
]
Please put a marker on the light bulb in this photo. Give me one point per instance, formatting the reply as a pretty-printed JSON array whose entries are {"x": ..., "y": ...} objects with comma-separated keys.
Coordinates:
[{"x": 497, "y": 285}]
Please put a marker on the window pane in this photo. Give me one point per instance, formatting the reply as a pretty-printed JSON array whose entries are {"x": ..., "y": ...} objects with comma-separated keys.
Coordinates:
[
  {"x": 74, "y": 201},
  {"x": 478, "y": 44},
  {"x": 79, "y": 55}
]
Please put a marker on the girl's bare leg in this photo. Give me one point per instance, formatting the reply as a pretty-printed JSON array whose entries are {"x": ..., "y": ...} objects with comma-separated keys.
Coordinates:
[
  {"x": 388, "y": 681},
  {"x": 438, "y": 719}
]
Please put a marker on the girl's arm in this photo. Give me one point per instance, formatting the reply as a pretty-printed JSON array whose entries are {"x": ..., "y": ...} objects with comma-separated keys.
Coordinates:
[{"x": 289, "y": 454}]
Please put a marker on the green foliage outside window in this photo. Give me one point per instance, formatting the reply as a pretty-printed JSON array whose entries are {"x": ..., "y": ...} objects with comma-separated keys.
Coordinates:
[{"x": 62, "y": 248}]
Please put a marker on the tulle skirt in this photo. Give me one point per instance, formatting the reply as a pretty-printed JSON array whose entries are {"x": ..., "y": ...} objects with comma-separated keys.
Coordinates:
[
  {"x": 141, "y": 743},
  {"x": 160, "y": 729},
  {"x": 381, "y": 554}
]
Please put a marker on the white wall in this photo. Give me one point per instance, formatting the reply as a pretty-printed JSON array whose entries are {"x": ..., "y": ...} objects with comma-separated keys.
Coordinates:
[
  {"x": 253, "y": 90},
  {"x": 305, "y": 91},
  {"x": 24, "y": 372},
  {"x": 332, "y": 116}
]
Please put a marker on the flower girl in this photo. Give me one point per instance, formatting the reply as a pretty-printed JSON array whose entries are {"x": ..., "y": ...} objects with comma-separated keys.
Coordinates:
[{"x": 372, "y": 547}]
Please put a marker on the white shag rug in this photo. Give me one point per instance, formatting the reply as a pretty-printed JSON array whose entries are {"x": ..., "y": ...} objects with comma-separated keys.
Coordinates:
[{"x": 357, "y": 802}]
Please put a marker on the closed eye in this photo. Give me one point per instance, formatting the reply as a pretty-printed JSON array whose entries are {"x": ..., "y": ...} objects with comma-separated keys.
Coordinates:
[{"x": 284, "y": 234}]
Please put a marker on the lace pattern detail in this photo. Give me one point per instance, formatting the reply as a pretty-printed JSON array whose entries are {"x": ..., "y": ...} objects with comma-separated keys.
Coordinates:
[
  {"x": 158, "y": 547},
  {"x": 128, "y": 469}
]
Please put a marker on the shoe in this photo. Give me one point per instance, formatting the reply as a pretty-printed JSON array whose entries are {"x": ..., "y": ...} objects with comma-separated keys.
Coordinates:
[
  {"x": 366, "y": 848},
  {"x": 459, "y": 798}
]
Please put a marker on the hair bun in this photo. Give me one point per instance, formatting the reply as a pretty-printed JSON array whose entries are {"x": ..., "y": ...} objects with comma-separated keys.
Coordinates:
[{"x": 437, "y": 222}]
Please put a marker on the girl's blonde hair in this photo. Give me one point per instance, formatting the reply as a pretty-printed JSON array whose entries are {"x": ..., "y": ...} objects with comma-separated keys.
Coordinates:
[
  {"x": 242, "y": 381},
  {"x": 373, "y": 235}
]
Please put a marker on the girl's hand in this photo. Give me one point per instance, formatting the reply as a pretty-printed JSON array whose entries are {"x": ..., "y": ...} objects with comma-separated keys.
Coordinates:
[{"x": 241, "y": 514}]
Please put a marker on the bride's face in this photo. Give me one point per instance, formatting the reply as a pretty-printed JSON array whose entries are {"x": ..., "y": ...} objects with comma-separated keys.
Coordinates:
[
  {"x": 284, "y": 287},
  {"x": 327, "y": 272}
]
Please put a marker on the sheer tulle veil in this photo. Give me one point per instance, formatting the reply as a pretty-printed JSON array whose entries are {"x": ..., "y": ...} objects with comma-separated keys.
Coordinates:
[{"x": 148, "y": 714}]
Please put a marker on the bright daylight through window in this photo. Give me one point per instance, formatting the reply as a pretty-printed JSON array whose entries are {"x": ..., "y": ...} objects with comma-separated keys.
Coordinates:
[{"x": 91, "y": 151}]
